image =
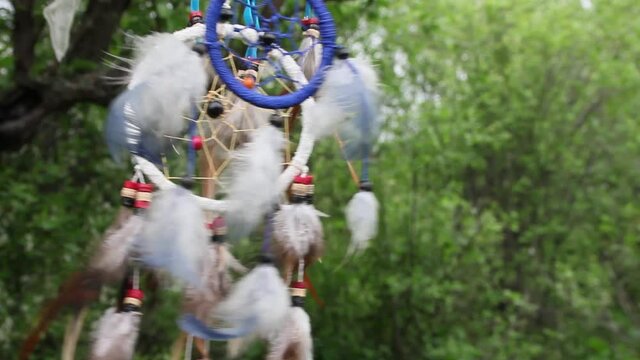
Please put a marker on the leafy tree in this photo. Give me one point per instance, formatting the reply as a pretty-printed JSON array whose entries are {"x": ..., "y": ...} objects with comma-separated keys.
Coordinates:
[{"x": 507, "y": 174}]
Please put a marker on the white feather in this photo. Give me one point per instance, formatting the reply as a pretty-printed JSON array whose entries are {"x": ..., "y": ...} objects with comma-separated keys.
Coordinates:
[
  {"x": 254, "y": 175},
  {"x": 261, "y": 296},
  {"x": 294, "y": 338},
  {"x": 346, "y": 100},
  {"x": 298, "y": 230},
  {"x": 115, "y": 336},
  {"x": 362, "y": 219},
  {"x": 173, "y": 78},
  {"x": 113, "y": 253},
  {"x": 174, "y": 237}
]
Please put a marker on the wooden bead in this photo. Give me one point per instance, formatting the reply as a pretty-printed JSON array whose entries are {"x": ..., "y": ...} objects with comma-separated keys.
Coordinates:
[{"x": 249, "y": 82}]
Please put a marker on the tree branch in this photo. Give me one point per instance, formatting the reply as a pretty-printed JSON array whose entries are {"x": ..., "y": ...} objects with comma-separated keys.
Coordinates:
[
  {"x": 24, "y": 37},
  {"x": 22, "y": 113},
  {"x": 95, "y": 31}
]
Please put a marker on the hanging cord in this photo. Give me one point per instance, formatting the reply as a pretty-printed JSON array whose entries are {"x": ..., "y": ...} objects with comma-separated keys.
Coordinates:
[
  {"x": 191, "y": 150},
  {"x": 195, "y": 5},
  {"x": 188, "y": 347},
  {"x": 308, "y": 11},
  {"x": 251, "y": 18},
  {"x": 352, "y": 170},
  {"x": 301, "y": 269},
  {"x": 136, "y": 277}
]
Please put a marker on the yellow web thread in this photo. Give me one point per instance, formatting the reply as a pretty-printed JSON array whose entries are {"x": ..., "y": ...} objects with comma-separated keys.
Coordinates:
[{"x": 215, "y": 156}]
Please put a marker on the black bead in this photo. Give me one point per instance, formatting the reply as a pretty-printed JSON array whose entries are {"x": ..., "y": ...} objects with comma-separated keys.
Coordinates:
[
  {"x": 218, "y": 239},
  {"x": 267, "y": 39},
  {"x": 297, "y": 301},
  {"x": 266, "y": 258},
  {"x": 277, "y": 120},
  {"x": 196, "y": 20},
  {"x": 215, "y": 109},
  {"x": 308, "y": 199},
  {"x": 187, "y": 182},
  {"x": 248, "y": 65},
  {"x": 342, "y": 53},
  {"x": 226, "y": 14},
  {"x": 314, "y": 27},
  {"x": 127, "y": 201},
  {"x": 200, "y": 48},
  {"x": 298, "y": 199},
  {"x": 130, "y": 308},
  {"x": 366, "y": 186}
]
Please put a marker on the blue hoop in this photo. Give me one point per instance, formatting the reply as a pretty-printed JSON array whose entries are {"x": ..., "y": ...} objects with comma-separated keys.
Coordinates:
[{"x": 327, "y": 39}]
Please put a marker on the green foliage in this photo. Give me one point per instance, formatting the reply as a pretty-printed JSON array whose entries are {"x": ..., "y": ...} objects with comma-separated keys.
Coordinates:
[{"x": 507, "y": 174}]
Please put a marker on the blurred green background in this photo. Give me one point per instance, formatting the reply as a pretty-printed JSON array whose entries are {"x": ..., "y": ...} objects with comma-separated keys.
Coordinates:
[{"x": 508, "y": 176}]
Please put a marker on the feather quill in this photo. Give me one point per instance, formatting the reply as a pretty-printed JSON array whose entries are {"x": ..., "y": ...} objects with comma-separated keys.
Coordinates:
[
  {"x": 257, "y": 304},
  {"x": 362, "y": 219},
  {"x": 348, "y": 102},
  {"x": 174, "y": 237},
  {"x": 254, "y": 176},
  {"x": 115, "y": 336},
  {"x": 312, "y": 55},
  {"x": 110, "y": 260},
  {"x": 293, "y": 341},
  {"x": 165, "y": 81}
]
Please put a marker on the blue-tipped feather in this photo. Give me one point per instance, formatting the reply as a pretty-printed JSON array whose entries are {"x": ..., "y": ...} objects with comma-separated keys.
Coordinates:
[
  {"x": 351, "y": 85},
  {"x": 190, "y": 324},
  {"x": 257, "y": 304},
  {"x": 125, "y": 132},
  {"x": 174, "y": 237},
  {"x": 165, "y": 81}
]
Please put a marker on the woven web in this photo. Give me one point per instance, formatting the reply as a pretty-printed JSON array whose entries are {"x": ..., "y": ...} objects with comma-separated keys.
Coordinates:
[{"x": 220, "y": 136}]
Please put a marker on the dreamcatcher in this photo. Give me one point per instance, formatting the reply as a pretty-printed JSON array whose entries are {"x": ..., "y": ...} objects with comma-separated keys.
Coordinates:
[{"x": 218, "y": 104}]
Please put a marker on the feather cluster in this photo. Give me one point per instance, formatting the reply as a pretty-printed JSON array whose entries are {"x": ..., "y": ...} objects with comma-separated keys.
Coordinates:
[
  {"x": 254, "y": 181},
  {"x": 165, "y": 81},
  {"x": 111, "y": 259},
  {"x": 293, "y": 341},
  {"x": 298, "y": 232},
  {"x": 115, "y": 336},
  {"x": 173, "y": 237},
  {"x": 216, "y": 282},
  {"x": 257, "y": 305},
  {"x": 348, "y": 102},
  {"x": 362, "y": 219}
]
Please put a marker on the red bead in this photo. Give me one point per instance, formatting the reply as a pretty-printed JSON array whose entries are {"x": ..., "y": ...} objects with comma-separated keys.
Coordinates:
[
  {"x": 298, "y": 285},
  {"x": 134, "y": 293},
  {"x": 217, "y": 223},
  {"x": 195, "y": 13},
  {"x": 145, "y": 187},
  {"x": 310, "y": 21},
  {"x": 306, "y": 179},
  {"x": 130, "y": 184},
  {"x": 143, "y": 197},
  {"x": 196, "y": 142}
]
